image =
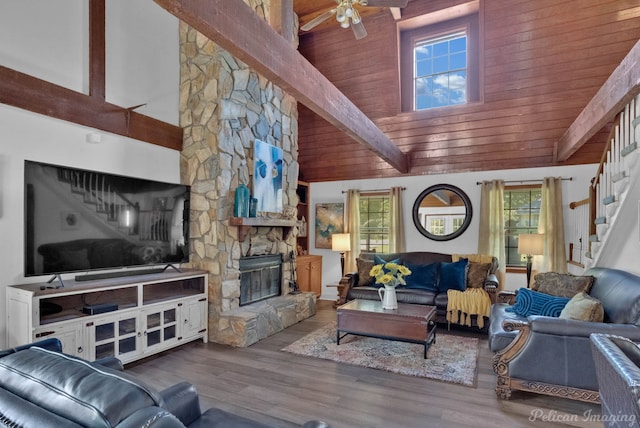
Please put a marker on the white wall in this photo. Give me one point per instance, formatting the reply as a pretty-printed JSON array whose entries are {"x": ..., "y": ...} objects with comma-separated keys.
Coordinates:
[
  {"x": 573, "y": 190},
  {"x": 50, "y": 42},
  {"x": 41, "y": 38}
]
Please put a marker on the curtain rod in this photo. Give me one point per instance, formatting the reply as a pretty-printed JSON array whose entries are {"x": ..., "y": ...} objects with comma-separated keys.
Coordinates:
[
  {"x": 375, "y": 190},
  {"x": 529, "y": 181}
]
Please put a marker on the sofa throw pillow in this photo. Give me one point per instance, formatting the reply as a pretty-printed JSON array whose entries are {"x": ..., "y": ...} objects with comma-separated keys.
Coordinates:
[
  {"x": 377, "y": 260},
  {"x": 423, "y": 277},
  {"x": 380, "y": 261},
  {"x": 477, "y": 274},
  {"x": 562, "y": 284},
  {"x": 583, "y": 307},
  {"x": 453, "y": 275},
  {"x": 473, "y": 258},
  {"x": 364, "y": 266},
  {"x": 530, "y": 302}
]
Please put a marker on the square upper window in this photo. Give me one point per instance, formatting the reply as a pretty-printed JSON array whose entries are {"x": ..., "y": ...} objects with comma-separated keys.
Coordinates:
[
  {"x": 439, "y": 64},
  {"x": 440, "y": 71}
]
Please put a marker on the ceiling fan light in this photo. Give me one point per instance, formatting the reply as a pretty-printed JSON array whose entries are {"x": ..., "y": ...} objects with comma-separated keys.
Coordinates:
[
  {"x": 356, "y": 18},
  {"x": 348, "y": 12},
  {"x": 345, "y": 23}
]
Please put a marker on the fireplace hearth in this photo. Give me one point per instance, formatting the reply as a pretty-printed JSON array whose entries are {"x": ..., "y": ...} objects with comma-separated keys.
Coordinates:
[{"x": 260, "y": 278}]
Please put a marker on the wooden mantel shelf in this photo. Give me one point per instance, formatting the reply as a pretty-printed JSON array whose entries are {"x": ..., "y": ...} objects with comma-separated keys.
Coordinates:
[{"x": 246, "y": 223}]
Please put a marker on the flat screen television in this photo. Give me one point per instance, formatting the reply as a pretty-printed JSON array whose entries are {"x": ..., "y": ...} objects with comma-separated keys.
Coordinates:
[{"x": 83, "y": 221}]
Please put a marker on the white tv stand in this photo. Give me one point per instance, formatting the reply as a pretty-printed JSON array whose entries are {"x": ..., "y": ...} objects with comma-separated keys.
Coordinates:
[{"x": 142, "y": 315}]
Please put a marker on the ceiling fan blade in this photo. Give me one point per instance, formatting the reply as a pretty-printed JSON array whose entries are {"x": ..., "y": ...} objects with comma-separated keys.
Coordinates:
[
  {"x": 318, "y": 20},
  {"x": 387, "y": 3},
  {"x": 358, "y": 30}
]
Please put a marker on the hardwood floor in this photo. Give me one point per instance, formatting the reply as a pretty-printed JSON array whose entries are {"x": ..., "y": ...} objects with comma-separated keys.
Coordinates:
[{"x": 285, "y": 390}]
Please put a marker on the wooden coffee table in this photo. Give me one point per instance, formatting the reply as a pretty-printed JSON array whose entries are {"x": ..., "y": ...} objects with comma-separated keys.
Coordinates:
[{"x": 408, "y": 323}]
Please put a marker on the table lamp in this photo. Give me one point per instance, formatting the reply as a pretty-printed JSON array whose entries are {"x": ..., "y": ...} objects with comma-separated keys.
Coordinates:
[
  {"x": 341, "y": 242},
  {"x": 531, "y": 244}
]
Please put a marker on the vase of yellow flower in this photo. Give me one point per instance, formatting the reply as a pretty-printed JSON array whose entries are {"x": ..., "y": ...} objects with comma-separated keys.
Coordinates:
[{"x": 389, "y": 275}]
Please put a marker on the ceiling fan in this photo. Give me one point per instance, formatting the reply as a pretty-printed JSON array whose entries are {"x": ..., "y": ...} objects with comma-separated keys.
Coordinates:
[{"x": 348, "y": 16}]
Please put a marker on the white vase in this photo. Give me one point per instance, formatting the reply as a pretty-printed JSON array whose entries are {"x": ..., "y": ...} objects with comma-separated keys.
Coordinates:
[{"x": 388, "y": 297}]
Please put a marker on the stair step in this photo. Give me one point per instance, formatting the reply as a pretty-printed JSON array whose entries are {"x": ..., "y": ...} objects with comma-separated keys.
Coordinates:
[
  {"x": 631, "y": 147},
  {"x": 619, "y": 176},
  {"x": 593, "y": 238},
  {"x": 609, "y": 200},
  {"x": 600, "y": 220}
]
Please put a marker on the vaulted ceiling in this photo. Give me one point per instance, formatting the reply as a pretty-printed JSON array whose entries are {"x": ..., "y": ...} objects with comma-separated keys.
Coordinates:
[
  {"x": 550, "y": 71},
  {"x": 541, "y": 64}
]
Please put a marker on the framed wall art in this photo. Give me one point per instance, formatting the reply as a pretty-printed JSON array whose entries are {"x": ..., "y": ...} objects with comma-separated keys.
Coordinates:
[
  {"x": 267, "y": 176},
  {"x": 329, "y": 220}
]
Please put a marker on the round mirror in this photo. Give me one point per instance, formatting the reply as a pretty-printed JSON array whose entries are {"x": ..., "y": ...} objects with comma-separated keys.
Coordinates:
[{"x": 442, "y": 212}]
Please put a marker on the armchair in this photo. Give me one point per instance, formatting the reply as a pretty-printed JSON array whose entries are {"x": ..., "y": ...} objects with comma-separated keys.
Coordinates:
[{"x": 552, "y": 356}]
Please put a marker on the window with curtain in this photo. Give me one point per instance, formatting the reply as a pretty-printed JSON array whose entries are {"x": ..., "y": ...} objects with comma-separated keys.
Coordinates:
[
  {"x": 521, "y": 216},
  {"x": 374, "y": 223}
]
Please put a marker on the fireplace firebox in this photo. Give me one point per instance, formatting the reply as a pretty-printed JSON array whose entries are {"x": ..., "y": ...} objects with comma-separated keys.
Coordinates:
[{"x": 260, "y": 278}]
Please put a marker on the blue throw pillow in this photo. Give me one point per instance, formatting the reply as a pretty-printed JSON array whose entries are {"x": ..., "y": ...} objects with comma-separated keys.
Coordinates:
[
  {"x": 423, "y": 277},
  {"x": 453, "y": 275},
  {"x": 377, "y": 260},
  {"x": 529, "y": 302},
  {"x": 380, "y": 261}
]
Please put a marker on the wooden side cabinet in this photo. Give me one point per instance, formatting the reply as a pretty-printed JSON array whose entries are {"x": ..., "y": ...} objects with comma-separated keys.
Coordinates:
[{"x": 309, "y": 273}]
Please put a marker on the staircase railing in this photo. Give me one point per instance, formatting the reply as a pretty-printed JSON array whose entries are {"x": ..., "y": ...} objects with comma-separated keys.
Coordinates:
[
  {"x": 118, "y": 210},
  {"x": 606, "y": 187},
  {"x": 579, "y": 232}
]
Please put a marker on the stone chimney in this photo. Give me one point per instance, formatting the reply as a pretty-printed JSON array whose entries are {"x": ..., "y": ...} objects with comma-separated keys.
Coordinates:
[{"x": 224, "y": 107}]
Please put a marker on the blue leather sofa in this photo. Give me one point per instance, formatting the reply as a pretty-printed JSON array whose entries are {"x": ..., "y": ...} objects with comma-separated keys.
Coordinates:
[
  {"x": 552, "y": 356},
  {"x": 42, "y": 387}
]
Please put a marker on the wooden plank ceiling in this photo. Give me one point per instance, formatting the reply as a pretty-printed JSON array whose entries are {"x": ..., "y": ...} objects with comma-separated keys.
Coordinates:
[
  {"x": 541, "y": 63},
  {"x": 225, "y": 22}
]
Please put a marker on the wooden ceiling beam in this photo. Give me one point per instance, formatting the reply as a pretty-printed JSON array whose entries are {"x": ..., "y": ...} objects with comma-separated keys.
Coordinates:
[
  {"x": 39, "y": 96},
  {"x": 234, "y": 26},
  {"x": 618, "y": 90},
  {"x": 97, "y": 48}
]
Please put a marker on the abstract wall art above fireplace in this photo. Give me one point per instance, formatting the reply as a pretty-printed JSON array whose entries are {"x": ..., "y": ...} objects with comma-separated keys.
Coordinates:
[{"x": 267, "y": 176}]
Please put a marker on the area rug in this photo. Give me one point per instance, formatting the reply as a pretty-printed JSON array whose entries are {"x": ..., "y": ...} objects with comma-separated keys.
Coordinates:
[{"x": 452, "y": 359}]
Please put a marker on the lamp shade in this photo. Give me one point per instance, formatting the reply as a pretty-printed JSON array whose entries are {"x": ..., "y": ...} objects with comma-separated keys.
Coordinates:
[
  {"x": 531, "y": 244},
  {"x": 340, "y": 242}
]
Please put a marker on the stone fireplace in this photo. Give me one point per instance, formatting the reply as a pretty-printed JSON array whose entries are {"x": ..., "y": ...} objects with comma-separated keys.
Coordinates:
[{"x": 224, "y": 107}]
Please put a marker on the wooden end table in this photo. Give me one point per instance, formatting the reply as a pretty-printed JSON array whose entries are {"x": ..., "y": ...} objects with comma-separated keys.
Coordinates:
[
  {"x": 408, "y": 323},
  {"x": 342, "y": 295}
]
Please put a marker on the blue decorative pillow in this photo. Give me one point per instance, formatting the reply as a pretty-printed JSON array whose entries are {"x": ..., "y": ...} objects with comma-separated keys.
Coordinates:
[
  {"x": 377, "y": 260},
  {"x": 529, "y": 302},
  {"x": 423, "y": 277},
  {"x": 453, "y": 275}
]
